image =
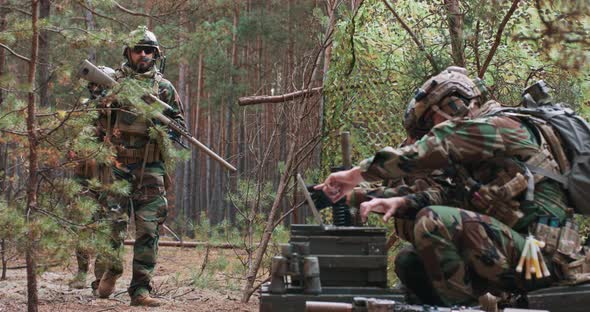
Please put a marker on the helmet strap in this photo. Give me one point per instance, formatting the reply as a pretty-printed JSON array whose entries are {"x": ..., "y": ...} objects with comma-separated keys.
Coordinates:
[{"x": 162, "y": 64}]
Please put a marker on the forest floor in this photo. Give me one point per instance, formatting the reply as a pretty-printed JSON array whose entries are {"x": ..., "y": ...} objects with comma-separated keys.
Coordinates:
[{"x": 177, "y": 282}]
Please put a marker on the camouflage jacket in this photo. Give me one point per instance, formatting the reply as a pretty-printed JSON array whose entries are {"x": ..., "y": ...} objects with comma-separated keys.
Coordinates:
[{"x": 484, "y": 147}]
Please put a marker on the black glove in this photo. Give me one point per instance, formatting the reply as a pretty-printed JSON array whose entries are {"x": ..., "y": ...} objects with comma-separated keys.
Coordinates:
[{"x": 320, "y": 199}]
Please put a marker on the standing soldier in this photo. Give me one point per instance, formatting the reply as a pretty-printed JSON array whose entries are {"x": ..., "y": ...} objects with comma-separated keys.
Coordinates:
[
  {"x": 465, "y": 253},
  {"x": 87, "y": 169},
  {"x": 140, "y": 162}
]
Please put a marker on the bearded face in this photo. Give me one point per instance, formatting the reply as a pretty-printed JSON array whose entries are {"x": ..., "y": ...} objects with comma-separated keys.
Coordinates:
[{"x": 142, "y": 58}]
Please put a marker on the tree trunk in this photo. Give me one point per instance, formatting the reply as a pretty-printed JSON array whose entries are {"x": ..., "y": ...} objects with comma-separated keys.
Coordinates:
[
  {"x": 149, "y": 4},
  {"x": 44, "y": 56},
  {"x": 3, "y": 146},
  {"x": 231, "y": 179},
  {"x": 326, "y": 60},
  {"x": 3, "y": 257},
  {"x": 455, "y": 20},
  {"x": 198, "y": 130},
  {"x": 208, "y": 167},
  {"x": 3, "y": 23},
  {"x": 187, "y": 164},
  {"x": 282, "y": 111},
  {"x": 32, "y": 296},
  {"x": 219, "y": 204},
  {"x": 180, "y": 177},
  {"x": 90, "y": 26},
  {"x": 186, "y": 202}
]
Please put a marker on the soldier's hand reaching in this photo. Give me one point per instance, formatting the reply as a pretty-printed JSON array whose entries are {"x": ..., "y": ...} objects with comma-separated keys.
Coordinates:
[
  {"x": 339, "y": 184},
  {"x": 385, "y": 206}
]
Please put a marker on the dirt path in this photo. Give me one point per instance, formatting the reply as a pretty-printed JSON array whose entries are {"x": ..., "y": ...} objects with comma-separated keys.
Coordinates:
[{"x": 177, "y": 283}]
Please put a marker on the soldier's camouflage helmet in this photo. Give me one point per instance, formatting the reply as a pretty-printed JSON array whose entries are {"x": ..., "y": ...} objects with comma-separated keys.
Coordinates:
[
  {"x": 142, "y": 37},
  {"x": 450, "y": 92}
]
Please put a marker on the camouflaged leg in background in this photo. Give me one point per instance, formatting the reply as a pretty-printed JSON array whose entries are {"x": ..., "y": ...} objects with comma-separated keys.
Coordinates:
[
  {"x": 466, "y": 254},
  {"x": 150, "y": 208},
  {"x": 83, "y": 259},
  {"x": 116, "y": 214}
]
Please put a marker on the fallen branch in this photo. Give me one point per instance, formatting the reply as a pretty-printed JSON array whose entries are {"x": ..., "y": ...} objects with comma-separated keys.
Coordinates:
[
  {"x": 44, "y": 266},
  {"x": 130, "y": 242},
  {"x": 263, "y": 99}
]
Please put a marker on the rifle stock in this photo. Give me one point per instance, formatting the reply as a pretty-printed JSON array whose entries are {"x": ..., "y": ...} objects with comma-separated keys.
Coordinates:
[{"x": 93, "y": 74}]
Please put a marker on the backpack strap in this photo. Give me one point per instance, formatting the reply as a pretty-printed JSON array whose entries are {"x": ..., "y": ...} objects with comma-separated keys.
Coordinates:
[
  {"x": 543, "y": 164},
  {"x": 554, "y": 144},
  {"x": 547, "y": 173}
]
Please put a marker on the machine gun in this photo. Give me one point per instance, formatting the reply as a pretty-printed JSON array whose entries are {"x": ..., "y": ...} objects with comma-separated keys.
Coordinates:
[
  {"x": 342, "y": 214},
  {"x": 362, "y": 304},
  {"x": 93, "y": 74}
]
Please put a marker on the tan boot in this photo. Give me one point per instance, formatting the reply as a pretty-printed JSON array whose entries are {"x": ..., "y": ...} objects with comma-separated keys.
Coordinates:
[
  {"x": 145, "y": 300},
  {"x": 78, "y": 281},
  {"x": 489, "y": 303},
  {"x": 107, "y": 285}
]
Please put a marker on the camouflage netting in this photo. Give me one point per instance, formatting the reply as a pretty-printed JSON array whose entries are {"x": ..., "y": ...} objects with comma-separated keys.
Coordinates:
[
  {"x": 373, "y": 74},
  {"x": 368, "y": 107}
]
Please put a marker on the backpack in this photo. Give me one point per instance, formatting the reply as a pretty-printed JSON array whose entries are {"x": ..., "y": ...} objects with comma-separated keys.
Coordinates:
[{"x": 574, "y": 133}]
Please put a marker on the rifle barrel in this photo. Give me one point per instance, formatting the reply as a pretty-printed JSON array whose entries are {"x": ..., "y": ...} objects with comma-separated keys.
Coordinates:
[{"x": 319, "y": 306}]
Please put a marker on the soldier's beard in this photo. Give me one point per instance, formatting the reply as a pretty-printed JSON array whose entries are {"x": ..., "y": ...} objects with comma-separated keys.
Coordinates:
[{"x": 143, "y": 65}]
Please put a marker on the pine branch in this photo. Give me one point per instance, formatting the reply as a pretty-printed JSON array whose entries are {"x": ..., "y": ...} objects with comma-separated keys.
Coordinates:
[
  {"x": 498, "y": 38},
  {"x": 82, "y": 4},
  {"x": 130, "y": 12},
  {"x": 24, "y": 58},
  {"x": 13, "y": 8},
  {"x": 413, "y": 36}
]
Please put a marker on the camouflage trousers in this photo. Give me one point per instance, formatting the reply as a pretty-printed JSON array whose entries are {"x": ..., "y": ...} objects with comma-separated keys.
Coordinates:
[
  {"x": 148, "y": 202},
  {"x": 459, "y": 255}
]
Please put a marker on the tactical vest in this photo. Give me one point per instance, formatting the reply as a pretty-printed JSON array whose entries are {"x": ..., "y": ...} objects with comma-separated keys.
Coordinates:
[{"x": 129, "y": 133}]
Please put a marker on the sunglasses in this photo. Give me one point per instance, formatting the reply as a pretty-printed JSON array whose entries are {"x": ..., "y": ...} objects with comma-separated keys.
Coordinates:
[{"x": 146, "y": 50}]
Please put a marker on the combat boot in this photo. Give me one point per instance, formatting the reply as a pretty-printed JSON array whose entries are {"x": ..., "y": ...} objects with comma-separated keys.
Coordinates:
[
  {"x": 145, "y": 300},
  {"x": 489, "y": 302},
  {"x": 78, "y": 281},
  {"x": 107, "y": 285}
]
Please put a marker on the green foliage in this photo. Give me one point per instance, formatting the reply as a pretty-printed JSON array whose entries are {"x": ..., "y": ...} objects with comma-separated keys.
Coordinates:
[
  {"x": 249, "y": 193},
  {"x": 204, "y": 281}
]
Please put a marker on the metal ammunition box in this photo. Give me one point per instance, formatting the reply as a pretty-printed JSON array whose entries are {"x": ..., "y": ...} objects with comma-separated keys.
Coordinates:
[
  {"x": 348, "y": 256},
  {"x": 352, "y": 261}
]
